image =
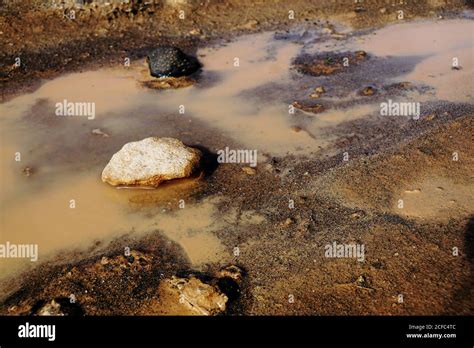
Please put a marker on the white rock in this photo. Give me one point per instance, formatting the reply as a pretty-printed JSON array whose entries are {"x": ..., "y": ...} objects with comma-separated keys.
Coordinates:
[
  {"x": 151, "y": 161},
  {"x": 51, "y": 309},
  {"x": 200, "y": 298}
]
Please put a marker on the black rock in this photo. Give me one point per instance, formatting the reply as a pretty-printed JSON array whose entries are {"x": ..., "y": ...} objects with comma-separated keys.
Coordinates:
[{"x": 168, "y": 61}]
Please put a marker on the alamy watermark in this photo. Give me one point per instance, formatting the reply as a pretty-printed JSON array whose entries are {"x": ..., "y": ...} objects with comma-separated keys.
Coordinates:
[
  {"x": 237, "y": 156},
  {"x": 37, "y": 331},
  {"x": 352, "y": 250},
  {"x": 9, "y": 250},
  {"x": 392, "y": 108},
  {"x": 67, "y": 108}
]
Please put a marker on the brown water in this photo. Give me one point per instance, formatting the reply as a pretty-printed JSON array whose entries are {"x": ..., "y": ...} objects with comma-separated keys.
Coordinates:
[
  {"x": 438, "y": 42},
  {"x": 67, "y": 159},
  {"x": 36, "y": 209}
]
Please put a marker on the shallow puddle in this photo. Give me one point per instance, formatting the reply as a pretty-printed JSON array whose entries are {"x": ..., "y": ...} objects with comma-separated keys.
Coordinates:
[
  {"x": 440, "y": 44},
  {"x": 66, "y": 159}
]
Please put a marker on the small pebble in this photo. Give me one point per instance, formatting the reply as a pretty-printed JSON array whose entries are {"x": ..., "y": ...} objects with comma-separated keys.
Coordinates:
[
  {"x": 27, "y": 171},
  {"x": 98, "y": 131},
  {"x": 430, "y": 117},
  {"x": 104, "y": 260},
  {"x": 249, "y": 170},
  {"x": 368, "y": 91},
  {"x": 320, "y": 89},
  {"x": 361, "y": 54}
]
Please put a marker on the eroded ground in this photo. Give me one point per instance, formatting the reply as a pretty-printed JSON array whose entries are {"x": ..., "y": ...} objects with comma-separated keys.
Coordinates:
[{"x": 330, "y": 168}]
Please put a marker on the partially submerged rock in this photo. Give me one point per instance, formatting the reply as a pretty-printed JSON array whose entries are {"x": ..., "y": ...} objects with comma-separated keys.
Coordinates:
[
  {"x": 151, "y": 161},
  {"x": 169, "y": 61},
  {"x": 312, "y": 108},
  {"x": 368, "y": 91},
  {"x": 169, "y": 68}
]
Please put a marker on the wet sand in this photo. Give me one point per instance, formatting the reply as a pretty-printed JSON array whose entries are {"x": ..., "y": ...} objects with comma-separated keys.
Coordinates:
[{"x": 281, "y": 248}]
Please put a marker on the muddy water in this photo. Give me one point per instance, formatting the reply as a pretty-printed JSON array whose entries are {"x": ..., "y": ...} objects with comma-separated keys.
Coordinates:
[
  {"x": 37, "y": 209},
  {"x": 242, "y": 66},
  {"x": 438, "y": 43},
  {"x": 67, "y": 159}
]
